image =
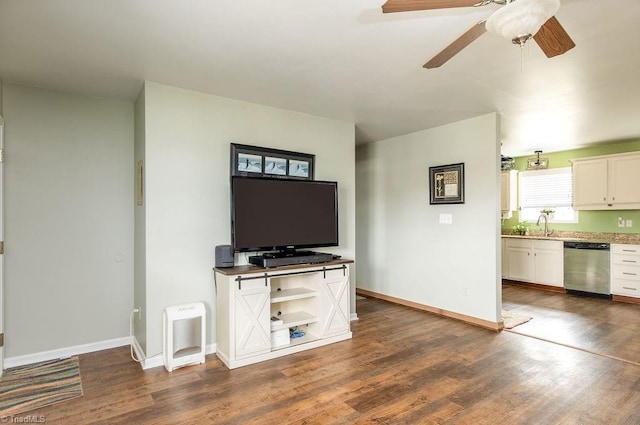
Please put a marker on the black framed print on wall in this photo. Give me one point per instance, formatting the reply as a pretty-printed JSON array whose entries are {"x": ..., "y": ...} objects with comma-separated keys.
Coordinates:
[
  {"x": 258, "y": 161},
  {"x": 446, "y": 184}
]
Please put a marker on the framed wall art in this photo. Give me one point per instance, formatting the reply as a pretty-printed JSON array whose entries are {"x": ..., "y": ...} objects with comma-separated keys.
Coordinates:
[
  {"x": 446, "y": 184},
  {"x": 258, "y": 161}
]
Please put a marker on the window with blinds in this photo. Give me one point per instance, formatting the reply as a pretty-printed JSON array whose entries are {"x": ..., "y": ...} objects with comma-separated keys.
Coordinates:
[{"x": 543, "y": 189}]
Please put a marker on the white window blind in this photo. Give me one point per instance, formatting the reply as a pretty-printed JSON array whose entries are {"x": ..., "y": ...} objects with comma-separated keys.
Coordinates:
[{"x": 547, "y": 189}]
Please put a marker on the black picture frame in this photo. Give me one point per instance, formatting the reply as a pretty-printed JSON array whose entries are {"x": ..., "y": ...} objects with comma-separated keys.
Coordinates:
[
  {"x": 258, "y": 161},
  {"x": 446, "y": 184}
]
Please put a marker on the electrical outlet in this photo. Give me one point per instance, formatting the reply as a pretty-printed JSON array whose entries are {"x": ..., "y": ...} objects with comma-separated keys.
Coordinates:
[
  {"x": 465, "y": 292},
  {"x": 620, "y": 222},
  {"x": 629, "y": 223}
]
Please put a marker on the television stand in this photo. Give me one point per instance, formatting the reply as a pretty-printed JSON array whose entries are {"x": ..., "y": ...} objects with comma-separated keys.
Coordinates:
[
  {"x": 314, "y": 299},
  {"x": 288, "y": 258}
]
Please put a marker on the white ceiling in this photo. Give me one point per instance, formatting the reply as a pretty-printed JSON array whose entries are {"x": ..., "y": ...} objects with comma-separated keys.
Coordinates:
[{"x": 341, "y": 59}]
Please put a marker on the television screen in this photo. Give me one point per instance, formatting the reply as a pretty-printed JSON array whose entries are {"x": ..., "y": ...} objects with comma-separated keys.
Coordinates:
[{"x": 280, "y": 214}]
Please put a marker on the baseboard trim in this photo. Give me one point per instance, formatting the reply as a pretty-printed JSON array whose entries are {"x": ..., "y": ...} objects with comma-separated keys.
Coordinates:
[
  {"x": 354, "y": 316},
  {"x": 549, "y": 288},
  {"x": 625, "y": 299},
  {"x": 65, "y": 352},
  {"x": 152, "y": 362},
  {"x": 139, "y": 352},
  {"x": 494, "y": 326}
]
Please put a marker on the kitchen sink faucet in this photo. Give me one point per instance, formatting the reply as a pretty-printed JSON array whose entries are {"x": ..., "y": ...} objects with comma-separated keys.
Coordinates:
[{"x": 546, "y": 224}]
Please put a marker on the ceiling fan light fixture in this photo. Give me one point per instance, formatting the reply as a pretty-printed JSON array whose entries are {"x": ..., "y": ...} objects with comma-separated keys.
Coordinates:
[
  {"x": 520, "y": 20},
  {"x": 521, "y": 39}
]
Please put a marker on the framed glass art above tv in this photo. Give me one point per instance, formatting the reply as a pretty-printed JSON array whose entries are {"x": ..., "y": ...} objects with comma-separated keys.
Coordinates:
[{"x": 258, "y": 161}]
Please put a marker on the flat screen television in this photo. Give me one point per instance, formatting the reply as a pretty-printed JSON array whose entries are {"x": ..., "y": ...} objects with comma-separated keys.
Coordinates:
[{"x": 283, "y": 214}]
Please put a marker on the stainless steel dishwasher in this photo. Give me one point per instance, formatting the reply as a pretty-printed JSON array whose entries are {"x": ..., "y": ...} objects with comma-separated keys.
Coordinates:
[{"x": 587, "y": 268}]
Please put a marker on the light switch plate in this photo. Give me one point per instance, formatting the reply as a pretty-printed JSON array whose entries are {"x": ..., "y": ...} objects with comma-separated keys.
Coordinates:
[{"x": 446, "y": 218}]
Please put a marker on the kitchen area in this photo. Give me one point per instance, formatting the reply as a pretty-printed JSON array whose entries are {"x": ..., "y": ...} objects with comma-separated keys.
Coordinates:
[
  {"x": 599, "y": 264},
  {"x": 577, "y": 276},
  {"x": 569, "y": 255}
]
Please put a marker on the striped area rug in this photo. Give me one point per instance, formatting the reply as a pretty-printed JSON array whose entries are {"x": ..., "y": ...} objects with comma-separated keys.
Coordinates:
[{"x": 29, "y": 387}]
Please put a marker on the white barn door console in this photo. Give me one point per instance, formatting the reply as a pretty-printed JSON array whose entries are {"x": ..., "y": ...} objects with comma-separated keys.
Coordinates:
[{"x": 312, "y": 299}]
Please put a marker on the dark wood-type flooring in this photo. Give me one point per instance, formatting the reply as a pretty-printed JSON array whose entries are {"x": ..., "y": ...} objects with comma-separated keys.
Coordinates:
[
  {"x": 403, "y": 366},
  {"x": 599, "y": 325}
]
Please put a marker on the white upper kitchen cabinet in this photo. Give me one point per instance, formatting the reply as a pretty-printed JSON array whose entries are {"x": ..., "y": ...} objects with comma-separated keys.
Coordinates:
[
  {"x": 509, "y": 190},
  {"x": 607, "y": 182},
  {"x": 624, "y": 176}
]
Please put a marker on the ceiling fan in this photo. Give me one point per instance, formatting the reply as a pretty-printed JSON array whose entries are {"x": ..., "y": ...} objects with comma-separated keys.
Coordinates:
[{"x": 517, "y": 20}]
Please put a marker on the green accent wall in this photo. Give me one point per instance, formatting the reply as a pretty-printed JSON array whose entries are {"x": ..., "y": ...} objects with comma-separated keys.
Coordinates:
[{"x": 588, "y": 221}]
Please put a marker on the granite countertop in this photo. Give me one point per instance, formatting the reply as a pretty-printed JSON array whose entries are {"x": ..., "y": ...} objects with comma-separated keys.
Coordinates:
[{"x": 621, "y": 238}]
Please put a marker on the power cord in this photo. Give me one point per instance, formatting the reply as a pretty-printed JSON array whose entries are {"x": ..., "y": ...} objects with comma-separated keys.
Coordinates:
[
  {"x": 134, "y": 311},
  {"x": 295, "y": 333}
]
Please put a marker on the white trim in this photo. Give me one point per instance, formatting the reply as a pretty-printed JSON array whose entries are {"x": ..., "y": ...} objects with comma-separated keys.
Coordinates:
[
  {"x": 65, "y": 352},
  {"x": 139, "y": 353},
  {"x": 2, "y": 294},
  {"x": 354, "y": 316},
  {"x": 232, "y": 364},
  {"x": 613, "y": 155},
  {"x": 557, "y": 170},
  {"x": 152, "y": 362}
]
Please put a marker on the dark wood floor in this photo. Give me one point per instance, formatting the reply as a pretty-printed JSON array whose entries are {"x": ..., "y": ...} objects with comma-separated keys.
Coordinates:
[
  {"x": 603, "y": 326},
  {"x": 402, "y": 366}
]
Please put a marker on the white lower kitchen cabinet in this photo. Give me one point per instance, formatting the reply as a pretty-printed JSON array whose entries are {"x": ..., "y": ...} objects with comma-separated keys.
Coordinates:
[
  {"x": 520, "y": 259},
  {"x": 534, "y": 260},
  {"x": 625, "y": 270},
  {"x": 312, "y": 298},
  {"x": 504, "y": 256}
]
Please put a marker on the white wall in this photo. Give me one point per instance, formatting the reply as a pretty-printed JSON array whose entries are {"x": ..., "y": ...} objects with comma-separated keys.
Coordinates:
[
  {"x": 68, "y": 219},
  {"x": 140, "y": 266},
  {"x": 187, "y": 194},
  {"x": 403, "y": 251}
]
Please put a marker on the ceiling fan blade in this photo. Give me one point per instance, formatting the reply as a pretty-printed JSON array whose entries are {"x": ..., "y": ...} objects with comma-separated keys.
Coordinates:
[
  {"x": 553, "y": 39},
  {"x": 410, "y": 5},
  {"x": 454, "y": 48}
]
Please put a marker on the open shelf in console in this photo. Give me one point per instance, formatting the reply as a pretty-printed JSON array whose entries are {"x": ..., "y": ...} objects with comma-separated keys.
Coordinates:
[
  {"x": 298, "y": 341},
  {"x": 292, "y": 294},
  {"x": 297, "y": 318}
]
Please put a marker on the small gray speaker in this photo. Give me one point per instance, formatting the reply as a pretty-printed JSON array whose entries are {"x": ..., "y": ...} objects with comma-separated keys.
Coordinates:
[{"x": 224, "y": 256}]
